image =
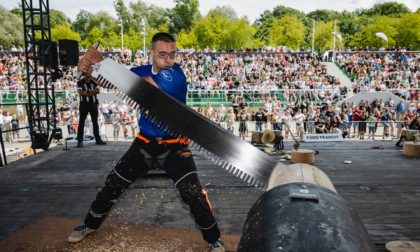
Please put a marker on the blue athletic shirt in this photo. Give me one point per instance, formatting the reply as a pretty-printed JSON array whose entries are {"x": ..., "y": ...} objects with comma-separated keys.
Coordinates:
[{"x": 171, "y": 81}]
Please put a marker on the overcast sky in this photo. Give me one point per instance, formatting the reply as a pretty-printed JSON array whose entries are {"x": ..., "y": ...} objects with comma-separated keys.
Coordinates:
[{"x": 251, "y": 8}]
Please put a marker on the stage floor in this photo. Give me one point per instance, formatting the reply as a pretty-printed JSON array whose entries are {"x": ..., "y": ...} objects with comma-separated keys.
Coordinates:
[{"x": 382, "y": 185}]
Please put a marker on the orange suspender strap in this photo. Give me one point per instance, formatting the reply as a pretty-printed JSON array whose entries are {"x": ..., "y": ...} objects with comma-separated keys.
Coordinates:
[
  {"x": 181, "y": 141},
  {"x": 143, "y": 138}
]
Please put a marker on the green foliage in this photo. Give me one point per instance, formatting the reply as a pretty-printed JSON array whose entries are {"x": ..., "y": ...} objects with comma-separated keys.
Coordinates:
[
  {"x": 349, "y": 24},
  {"x": 184, "y": 14},
  {"x": 288, "y": 31},
  {"x": 153, "y": 15},
  {"x": 94, "y": 35},
  {"x": 58, "y": 18},
  {"x": 11, "y": 32},
  {"x": 408, "y": 33},
  {"x": 268, "y": 17},
  {"x": 111, "y": 40},
  {"x": 218, "y": 31},
  {"x": 187, "y": 40},
  {"x": 225, "y": 11},
  {"x": 79, "y": 25},
  {"x": 323, "y": 15},
  {"x": 222, "y": 29},
  {"x": 389, "y": 8},
  {"x": 104, "y": 22},
  {"x": 367, "y": 37},
  {"x": 64, "y": 32},
  {"x": 324, "y": 39}
]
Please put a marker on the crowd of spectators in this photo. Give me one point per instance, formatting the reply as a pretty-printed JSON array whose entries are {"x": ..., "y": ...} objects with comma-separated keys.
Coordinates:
[
  {"x": 119, "y": 115},
  {"x": 292, "y": 88},
  {"x": 399, "y": 75}
]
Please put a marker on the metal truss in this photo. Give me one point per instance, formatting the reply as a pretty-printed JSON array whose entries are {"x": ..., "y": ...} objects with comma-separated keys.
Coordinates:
[{"x": 42, "y": 115}]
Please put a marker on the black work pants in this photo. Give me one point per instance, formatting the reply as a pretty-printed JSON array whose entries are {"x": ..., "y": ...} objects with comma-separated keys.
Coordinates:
[
  {"x": 84, "y": 109},
  {"x": 178, "y": 163}
]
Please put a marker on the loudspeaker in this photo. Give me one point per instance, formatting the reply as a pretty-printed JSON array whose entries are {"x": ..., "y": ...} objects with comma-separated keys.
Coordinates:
[
  {"x": 52, "y": 57},
  {"x": 69, "y": 52}
]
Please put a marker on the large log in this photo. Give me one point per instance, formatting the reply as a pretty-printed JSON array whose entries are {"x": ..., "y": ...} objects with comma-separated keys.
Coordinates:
[{"x": 303, "y": 216}]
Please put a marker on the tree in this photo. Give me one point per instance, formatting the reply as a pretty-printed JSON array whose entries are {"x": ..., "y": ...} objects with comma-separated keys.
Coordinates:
[
  {"x": 240, "y": 34},
  {"x": 11, "y": 32},
  {"x": 408, "y": 31},
  {"x": 267, "y": 18},
  {"x": 104, "y": 22},
  {"x": 288, "y": 31},
  {"x": 64, "y": 32},
  {"x": 58, "y": 18},
  {"x": 210, "y": 31},
  {"x": 153, "y": 15},
  {"x": 187, "y": 40},
  {"x": 389, "y": 8},
  {"x": 349, "y": 24},
  {"x": 79, "y": 25},
  {"x": 323, "y": 15},
  {"x": 323, "y": 36},
  {"x": 225, "y": 11},
  {"x": 123, "y": 14},
  {"x": 111, "y": 40},
  {"x": 367, "y": 37},
  {"x": 94, "y": 35},
  {"x": 183, "y": 15}
]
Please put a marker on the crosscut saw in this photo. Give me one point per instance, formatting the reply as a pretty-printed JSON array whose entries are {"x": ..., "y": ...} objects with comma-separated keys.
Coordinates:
[{"x": 225, "y": 149}]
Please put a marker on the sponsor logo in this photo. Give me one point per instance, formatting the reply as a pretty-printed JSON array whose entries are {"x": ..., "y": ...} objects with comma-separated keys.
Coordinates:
[{"x": 165, "y": 73}]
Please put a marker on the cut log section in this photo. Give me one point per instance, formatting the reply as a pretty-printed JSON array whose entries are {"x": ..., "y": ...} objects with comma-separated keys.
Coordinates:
[
  {"x": 402, "y": 246},
  {"x": 296, "y": 173},
  {"x": 411, "y": 149},
  {"x": 303, "y": 156}
]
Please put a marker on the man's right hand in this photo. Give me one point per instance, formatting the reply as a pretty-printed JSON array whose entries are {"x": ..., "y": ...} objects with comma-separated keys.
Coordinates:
[{"x": 89, "y": 58}]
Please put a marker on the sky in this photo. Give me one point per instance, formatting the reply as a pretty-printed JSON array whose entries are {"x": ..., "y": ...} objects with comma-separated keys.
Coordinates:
[{"x": 251, "y": 8}]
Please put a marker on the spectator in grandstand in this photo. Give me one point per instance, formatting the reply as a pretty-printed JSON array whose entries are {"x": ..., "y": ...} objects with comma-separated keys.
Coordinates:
[
  {"x": 72, "y": 124},
  {"x": 222, "y": 112},
  {"x": 311, "y": 118},
  {"x": 356, "y": 118},
  {"x": 115, "y": 121},
  {"x": 230, "y": 121},
  {"x": 101, "y": 123},
  {"x": 126, "y": 123},
  {"x": 385, "y": 122},
  {"x": 299, "y": 119},
  {"x": 112, "y": 108},
  {"x": 286, "y": 119},
  {"x": 371, "y": 125},
  {"x": 105, "y": 111},
  {"x": 320, "y": 126},
  {"x": 7, "y": 119},
  {"x": 133, "y": 124},
  {"x": 15, "y": 127},
  {"x": 259, "y": 118},
  {"x": 362, "y": 123},
  {"x": 243, "y": 117},
  {"x": 19, "y": 110}
]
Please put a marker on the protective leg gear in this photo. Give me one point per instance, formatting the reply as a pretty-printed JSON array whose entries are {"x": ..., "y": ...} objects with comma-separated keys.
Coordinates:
[{"x": 180, "y": 165}]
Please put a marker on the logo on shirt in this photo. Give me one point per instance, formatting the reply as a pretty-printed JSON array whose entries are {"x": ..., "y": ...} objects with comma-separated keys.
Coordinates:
[{"x": 165, "y": 73}]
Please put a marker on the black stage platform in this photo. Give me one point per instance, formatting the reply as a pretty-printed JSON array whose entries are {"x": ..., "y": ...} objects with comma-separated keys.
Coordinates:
[{"x": 382, "y": 185}]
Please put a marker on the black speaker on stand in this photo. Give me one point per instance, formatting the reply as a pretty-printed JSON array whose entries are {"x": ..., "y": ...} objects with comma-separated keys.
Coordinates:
[{"x": 69, "y": 52}]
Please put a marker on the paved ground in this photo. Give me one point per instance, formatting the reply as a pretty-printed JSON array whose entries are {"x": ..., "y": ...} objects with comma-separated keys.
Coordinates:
[{"x": 381, "y": 185}]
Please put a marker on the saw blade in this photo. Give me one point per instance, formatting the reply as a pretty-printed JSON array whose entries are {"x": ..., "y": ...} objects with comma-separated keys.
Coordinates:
[{"x": 227, "y": 150}]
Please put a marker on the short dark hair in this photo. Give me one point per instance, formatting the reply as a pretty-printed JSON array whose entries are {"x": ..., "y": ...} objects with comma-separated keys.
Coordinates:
[{"x": 162, "y": 36}]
